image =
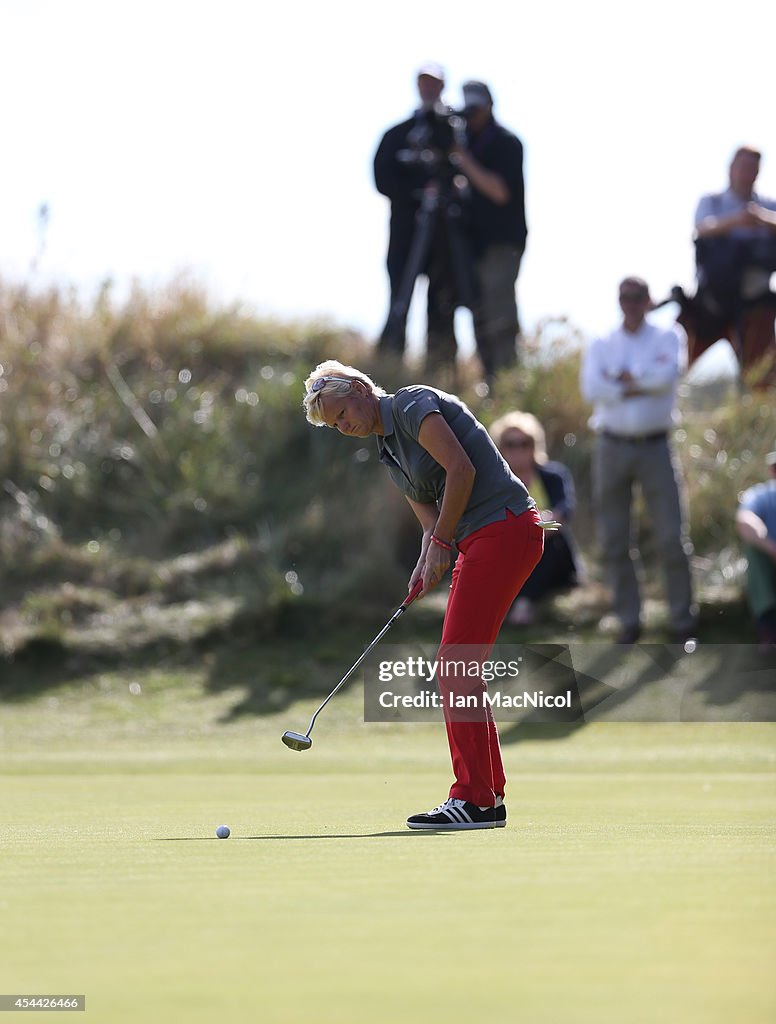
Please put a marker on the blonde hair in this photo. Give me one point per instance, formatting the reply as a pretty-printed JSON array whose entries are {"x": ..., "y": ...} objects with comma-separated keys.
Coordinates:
[
  {"x": 340, "y": 384},
  {"x": 527, "y": 424}
]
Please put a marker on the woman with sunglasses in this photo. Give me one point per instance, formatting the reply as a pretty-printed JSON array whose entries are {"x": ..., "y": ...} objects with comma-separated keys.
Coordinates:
[
  {"x": 464, "y": 494},
  {"x": 520, "y": 438}
]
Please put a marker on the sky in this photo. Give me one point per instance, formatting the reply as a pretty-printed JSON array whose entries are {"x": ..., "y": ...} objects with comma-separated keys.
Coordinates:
[{"x": 233, "y": 141}]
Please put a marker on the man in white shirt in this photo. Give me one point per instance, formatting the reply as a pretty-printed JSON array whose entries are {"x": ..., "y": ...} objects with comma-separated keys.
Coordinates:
[{"x": 630, "y": 378}]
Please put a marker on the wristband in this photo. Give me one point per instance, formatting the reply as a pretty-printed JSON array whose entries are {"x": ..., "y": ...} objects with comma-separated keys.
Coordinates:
[{"x": 441, "y": 543}]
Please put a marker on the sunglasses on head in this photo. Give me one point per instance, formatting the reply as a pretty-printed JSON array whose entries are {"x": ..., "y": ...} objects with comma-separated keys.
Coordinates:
[{"x": 318, "y": 384}]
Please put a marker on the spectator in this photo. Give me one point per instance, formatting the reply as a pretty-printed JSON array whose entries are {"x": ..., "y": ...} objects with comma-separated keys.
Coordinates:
[
  {"x": 735, "y": 255},
  {"x": 492, "y": 161},
  {"x": 630, "y": 377},
  {"x": 736, "y": 237},
  {"x": 756, "y": 526},
  {"x": 520, "y": 438},
  {"x": 405, "y": 163}
]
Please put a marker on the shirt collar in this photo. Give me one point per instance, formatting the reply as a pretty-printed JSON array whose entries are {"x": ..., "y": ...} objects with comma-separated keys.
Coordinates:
[
  {"x": 735, "y": 197},
  {"x": 386, "y": 414},
  {"x": 642, "y": 329}
]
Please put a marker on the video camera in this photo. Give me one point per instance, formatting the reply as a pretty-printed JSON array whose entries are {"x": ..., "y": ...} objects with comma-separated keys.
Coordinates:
[{"x": 431, "y": 139}]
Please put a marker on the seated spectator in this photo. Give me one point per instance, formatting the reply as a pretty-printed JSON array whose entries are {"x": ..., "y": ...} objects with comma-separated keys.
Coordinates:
[
  {"x": 519, "y": 436},
  {"x": 735, "y": 242},
  {"x": 736, "y": 238},
  {"x": 756, "y": 526}
]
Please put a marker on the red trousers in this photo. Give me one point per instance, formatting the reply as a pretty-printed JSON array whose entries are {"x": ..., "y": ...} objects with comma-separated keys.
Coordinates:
[{"x": 492, "y": 565}]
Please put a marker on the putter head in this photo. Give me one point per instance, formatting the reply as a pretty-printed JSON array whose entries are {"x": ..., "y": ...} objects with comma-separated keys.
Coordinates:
[{"x": 296, "y": 741}]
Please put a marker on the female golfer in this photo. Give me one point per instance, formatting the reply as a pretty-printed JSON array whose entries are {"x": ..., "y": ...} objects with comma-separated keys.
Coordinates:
[{"x": 463, "y": 493}]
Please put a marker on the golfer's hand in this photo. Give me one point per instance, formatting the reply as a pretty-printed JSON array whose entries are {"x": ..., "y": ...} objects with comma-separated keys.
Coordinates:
[
  {"x": 437, "y": 564},
  {"x": 415, "y": 578},
  {"x": 420, "y": 565}
]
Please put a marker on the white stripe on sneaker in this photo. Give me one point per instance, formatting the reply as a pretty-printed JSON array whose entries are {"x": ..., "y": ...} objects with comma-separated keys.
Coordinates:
[
  {"x": 456, "y": 814},
  {"x": 456, "y": 808}
]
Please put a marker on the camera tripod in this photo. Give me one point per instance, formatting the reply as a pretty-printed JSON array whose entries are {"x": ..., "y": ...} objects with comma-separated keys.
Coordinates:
[{"x": 439, "y": 209}]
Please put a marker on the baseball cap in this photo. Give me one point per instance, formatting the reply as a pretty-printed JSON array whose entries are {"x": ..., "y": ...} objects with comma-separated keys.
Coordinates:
[
  {"x": 433, "y": 70},
  {"x": 770, "y": 459},
  {"x": 476, "y": 94}
]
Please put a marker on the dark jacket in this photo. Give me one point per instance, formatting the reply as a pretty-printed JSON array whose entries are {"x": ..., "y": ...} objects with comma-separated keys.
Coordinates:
[
  {"x": 400, "y": 181},
  {"x": 560, "y": 565},
  {"x": 498, "y": 150},
  {"x": 559, "y": 485}
]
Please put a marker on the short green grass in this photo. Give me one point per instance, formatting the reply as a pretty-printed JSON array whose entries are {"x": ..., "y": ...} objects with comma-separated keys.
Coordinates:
[{"x": 634, "y": 882}]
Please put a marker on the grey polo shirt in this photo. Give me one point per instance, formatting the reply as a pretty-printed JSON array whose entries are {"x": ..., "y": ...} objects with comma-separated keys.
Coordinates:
[{"x": 420, "y": 477}]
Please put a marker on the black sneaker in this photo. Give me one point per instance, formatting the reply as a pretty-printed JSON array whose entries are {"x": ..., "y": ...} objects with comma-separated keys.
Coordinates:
[{"x": 457, "y": 815}]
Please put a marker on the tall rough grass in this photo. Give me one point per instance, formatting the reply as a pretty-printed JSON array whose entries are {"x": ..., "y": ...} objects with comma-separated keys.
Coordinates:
[{"x": 137, "y": 433}]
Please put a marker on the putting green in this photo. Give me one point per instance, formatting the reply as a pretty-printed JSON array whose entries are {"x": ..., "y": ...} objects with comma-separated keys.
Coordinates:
[{"x": 634, "y": 881}]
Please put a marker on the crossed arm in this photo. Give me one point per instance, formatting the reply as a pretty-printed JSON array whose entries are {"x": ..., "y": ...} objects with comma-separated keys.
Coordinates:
[{"x": 752, "y": 215}]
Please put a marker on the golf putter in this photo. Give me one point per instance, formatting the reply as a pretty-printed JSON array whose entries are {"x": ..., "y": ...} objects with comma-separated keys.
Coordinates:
[{"x": 295, "y": 740}]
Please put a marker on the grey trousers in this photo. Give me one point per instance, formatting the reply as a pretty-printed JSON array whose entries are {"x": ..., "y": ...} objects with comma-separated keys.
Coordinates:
[
  {"x": 617, "y": 466},
  {"x": 496, "y": 322}
]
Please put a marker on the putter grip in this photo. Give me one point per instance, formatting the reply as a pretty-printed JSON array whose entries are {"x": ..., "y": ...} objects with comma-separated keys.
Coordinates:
[{"x": 415, "y": 592}]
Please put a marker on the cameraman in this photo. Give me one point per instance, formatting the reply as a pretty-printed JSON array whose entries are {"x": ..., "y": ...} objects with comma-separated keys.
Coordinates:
[
  {"x": 492, "y": 161},
  {"x": 406, "y": 161}
]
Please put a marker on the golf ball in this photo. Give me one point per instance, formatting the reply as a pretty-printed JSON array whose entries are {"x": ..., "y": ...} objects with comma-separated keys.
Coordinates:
[{"x": 223, "y": 831}]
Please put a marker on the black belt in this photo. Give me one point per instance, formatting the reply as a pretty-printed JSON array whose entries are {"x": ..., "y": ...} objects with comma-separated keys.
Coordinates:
[{"x": 659, "y": 435}]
